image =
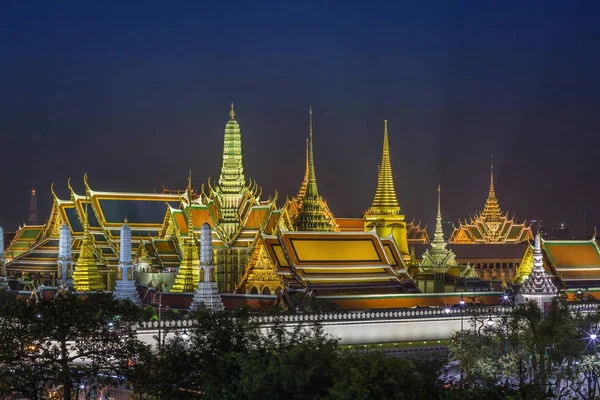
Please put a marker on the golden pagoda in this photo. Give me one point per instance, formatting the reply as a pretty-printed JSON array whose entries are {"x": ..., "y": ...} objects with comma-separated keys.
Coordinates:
[
  {"x": 384, "y": 214},
  {"x": 189, "y": 270},
  {"x": 491, "y": 226},
  {"x": 86, "y": 277},
  {"x": 292, "y": 206},
  {"x": 312, "y": 215}
]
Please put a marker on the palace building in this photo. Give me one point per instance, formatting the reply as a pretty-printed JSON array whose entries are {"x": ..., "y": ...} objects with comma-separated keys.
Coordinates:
[{"x": 491, "y": 226}]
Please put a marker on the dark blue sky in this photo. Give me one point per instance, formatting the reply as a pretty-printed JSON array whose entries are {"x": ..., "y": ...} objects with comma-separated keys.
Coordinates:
[{"x": 136, "y": 93}]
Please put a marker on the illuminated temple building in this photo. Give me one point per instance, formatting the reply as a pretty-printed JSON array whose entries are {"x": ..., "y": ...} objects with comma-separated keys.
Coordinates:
[
  {"x": 258, "y": 248},
  {"x": 160, "y": 222},
  {"x": 491, "y": 226},
  {"x": 492, "y": 243},
  {"x": 313, "y": 254},
  {"x": 439, "y": 271}
]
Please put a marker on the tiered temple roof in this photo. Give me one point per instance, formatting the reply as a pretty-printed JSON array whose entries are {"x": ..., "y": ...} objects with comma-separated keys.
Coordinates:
[
  {"x": 160, "y": 221},
  {"x": 338, "y": 262},
  {"x": 312, "y": 214},
  {"x": 491, "y": 226}
]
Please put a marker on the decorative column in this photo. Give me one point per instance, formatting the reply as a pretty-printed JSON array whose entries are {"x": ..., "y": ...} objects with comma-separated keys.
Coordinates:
[
  {"x": 65, "y": 257},
  {"x": 125, "y": 288},
  {"x": 207, "y": 294}
]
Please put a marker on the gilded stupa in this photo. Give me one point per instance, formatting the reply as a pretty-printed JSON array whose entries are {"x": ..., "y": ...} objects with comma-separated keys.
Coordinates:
[
  {"x": 491, "y": 226},
  {"x": 384, "y": 214},
  {"x": 312, "y": 214},
  {"x": 189, "y": 270},
  {"x": 86, "y": 277}
]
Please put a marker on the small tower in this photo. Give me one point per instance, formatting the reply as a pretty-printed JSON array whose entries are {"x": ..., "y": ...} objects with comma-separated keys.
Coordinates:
[
  {"x": 312, "y": 215},
  {"x": 86, "y": 277},
  {"x": 438, "y": 257},
  {"x": 206, "y": 294},
  {"x": 33, "y": 212},
  {"x": 188, "y": 273},
  {"x": 125, "y": 288},
  {"x": 538, "y": 287},
  {"x": 142, "y": 262},
  {"x": 65, "y": 258}
]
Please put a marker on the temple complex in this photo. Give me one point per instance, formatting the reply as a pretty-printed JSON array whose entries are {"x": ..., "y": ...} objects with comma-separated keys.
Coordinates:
[
  {"x": 313, "y": 255},
  {"x": 491, "y": 226}
]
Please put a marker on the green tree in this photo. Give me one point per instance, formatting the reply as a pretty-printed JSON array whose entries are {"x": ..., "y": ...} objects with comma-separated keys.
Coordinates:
[{"x": 56, "y": 343}]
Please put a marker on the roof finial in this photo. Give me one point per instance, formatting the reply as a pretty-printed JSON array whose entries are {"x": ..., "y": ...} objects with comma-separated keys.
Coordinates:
[
  {"x": 492, "y": 191},
  {"x": 312, "y": 180},
  {"x": 385, "y": 201},
  {"x": 438, "y": 237},
  {"x": 86, "y": 224},
  {"x": 232, "y": 112},
  {"x": 190, "y": 220}
]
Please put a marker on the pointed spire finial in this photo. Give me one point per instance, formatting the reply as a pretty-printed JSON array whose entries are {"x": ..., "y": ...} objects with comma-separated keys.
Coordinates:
[
  {"x": 312, "y": 180},
  {"x": 438, "y": 236},
  {"x": 125, "y": 220},
  {"x": 232, "y": 112},
  {"x": 190, "y": 220},
  {"x": 385, "y": 201},
  {"x": 492, "y": 190}
]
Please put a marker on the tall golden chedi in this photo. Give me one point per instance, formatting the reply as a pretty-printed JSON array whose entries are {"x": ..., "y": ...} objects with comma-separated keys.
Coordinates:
[
  {"x": 384, "y": 214},
  {"x": 312, "y": 215},
  {"x": 86, "y": 277},
  {"x": 189, "y": 270}
]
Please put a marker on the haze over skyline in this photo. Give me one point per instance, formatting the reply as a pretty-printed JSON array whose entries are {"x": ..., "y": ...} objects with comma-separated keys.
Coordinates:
[{"x": 136, "y": 95}]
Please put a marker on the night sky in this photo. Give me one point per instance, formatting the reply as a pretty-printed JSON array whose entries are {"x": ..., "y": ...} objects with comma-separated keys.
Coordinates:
[{"x": 135, "y": 94}]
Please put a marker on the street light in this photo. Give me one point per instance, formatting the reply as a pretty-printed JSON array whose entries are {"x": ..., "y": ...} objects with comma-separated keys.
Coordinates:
[
  {"x": 490, "y": 322},
  {"x": 185, "y": 335},
  {"x": 593, "y": 336}
]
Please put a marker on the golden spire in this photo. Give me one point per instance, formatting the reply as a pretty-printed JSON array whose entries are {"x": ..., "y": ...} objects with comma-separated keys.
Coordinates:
[
  {"x": 492, "y": 193},
  {"x": 86, "y": 276},
  {"x": 231, "y": 112},
  {"x": 189, "y": 273},
  {"x": 385, "y": 201},
  {"x": 311, "y": 189},
  {"x": 190, "y": 220},
  {"x": 302, "y": 190}
]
